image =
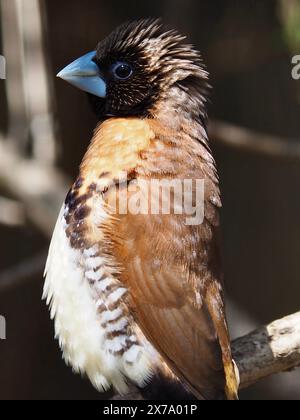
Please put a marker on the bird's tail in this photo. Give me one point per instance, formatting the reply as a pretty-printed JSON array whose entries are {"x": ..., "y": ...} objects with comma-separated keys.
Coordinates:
[{"x": 232, "y": 381}]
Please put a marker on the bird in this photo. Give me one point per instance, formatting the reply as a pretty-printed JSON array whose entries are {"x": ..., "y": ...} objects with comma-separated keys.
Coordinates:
[{"x": 137, "y": 297}]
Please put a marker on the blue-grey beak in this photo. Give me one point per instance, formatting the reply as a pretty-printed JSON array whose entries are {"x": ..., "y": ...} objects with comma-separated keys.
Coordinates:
[{"x": 85, "y": 75}]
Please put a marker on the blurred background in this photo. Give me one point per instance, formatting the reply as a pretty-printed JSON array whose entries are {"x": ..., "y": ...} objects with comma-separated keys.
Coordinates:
[{"x": 45, "y": 128}]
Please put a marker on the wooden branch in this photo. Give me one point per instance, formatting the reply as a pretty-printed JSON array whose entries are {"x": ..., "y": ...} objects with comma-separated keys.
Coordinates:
[
  {"x": 267, "y": 351},
  {"x": 28, "y": 89},
  {"x": 11, "y": 212},
  {"x": 41, "y": 188},
  {"x": 23, "y": 273},
  {"x": 247, "y": 140}
]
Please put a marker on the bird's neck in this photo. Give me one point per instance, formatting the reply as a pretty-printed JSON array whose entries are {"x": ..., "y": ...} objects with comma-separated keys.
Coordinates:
[{"x": 179, "y": 108}]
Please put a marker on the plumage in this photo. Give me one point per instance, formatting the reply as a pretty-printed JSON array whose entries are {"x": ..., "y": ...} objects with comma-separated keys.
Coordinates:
[{"x": 140, "y": 295}]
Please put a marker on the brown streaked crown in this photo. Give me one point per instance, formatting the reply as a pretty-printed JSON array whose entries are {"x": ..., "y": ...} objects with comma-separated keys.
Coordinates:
[{"x": 160, "y": 60}]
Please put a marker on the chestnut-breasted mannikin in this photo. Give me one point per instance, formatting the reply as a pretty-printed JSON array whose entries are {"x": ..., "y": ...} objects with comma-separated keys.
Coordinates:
[{"x": 137, "y": 296}]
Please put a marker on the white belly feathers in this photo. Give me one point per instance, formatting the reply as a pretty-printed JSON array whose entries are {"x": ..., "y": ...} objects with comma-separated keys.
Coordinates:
[{"x": 97, "y": 335}]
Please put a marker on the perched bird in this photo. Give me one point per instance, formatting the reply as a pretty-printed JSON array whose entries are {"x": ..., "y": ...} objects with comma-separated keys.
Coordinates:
[{"x": 138, "y": 296}]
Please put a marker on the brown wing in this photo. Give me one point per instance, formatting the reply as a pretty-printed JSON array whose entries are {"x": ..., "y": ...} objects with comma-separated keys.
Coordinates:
[{"x": 172, "y": 272}]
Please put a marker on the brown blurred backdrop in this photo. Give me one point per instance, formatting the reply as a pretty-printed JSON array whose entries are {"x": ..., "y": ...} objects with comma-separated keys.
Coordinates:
[{"x": 247, "y": 47}]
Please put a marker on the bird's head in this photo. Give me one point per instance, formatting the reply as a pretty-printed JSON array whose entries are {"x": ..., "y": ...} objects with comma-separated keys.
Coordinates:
[{"x": 137, "y": 67}]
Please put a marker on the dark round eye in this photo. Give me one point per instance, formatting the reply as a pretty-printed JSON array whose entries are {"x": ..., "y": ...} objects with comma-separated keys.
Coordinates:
[{"x": 122, "y": 71}]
